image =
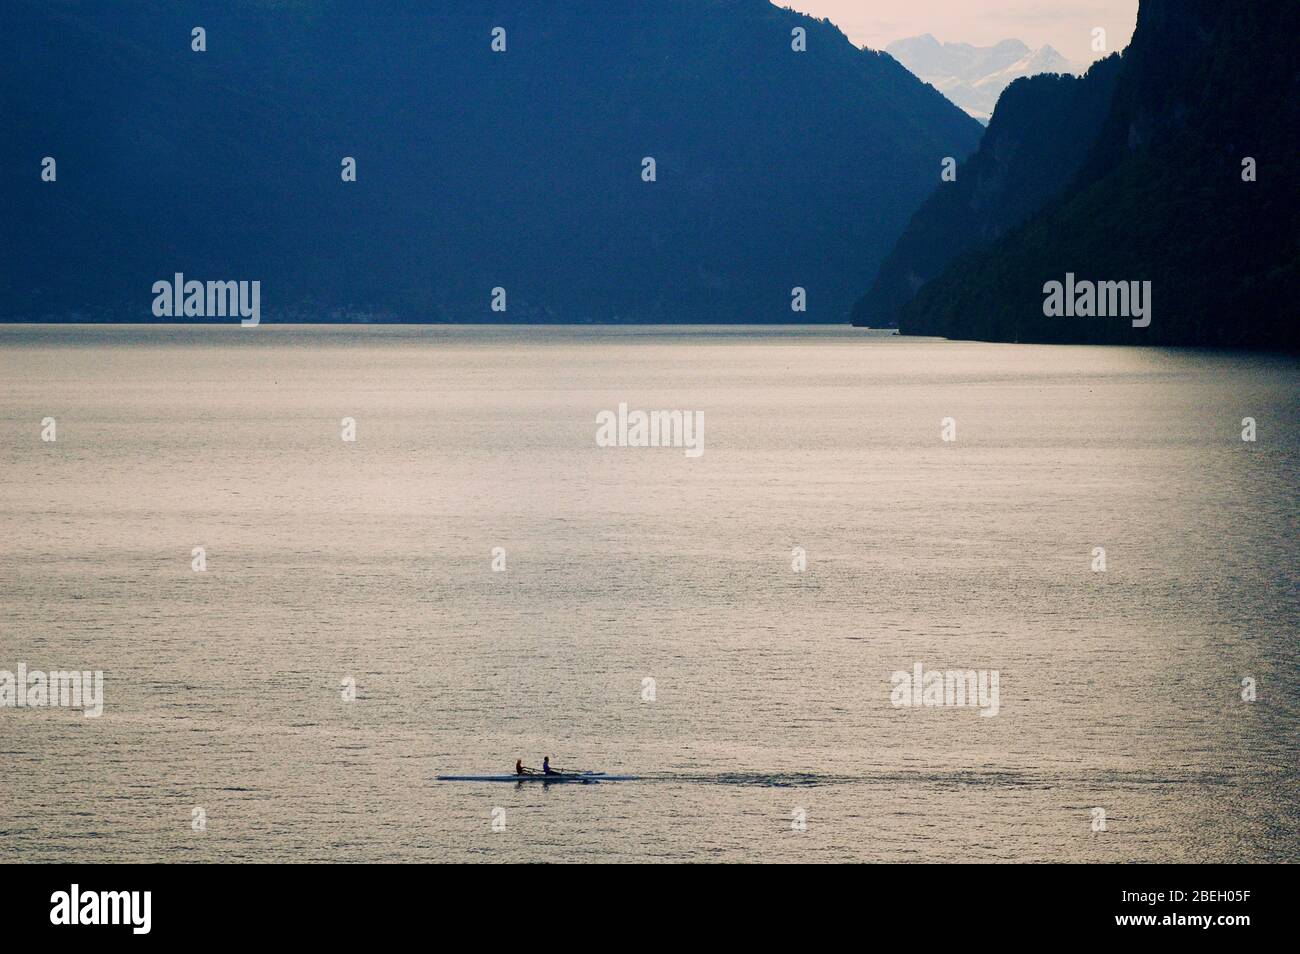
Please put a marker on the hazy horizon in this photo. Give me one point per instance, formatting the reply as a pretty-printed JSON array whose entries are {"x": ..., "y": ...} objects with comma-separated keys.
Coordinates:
[{"x": 1067, "y": 28}]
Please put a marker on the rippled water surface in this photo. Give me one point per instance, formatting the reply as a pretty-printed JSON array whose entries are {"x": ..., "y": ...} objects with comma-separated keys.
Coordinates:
[{"x": 373, "y": 560}]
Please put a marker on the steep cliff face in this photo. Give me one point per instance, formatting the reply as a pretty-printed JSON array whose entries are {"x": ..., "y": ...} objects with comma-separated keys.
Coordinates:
[
  {"x": 1034, "y": 146},
  {"x": 1205, "y": 101},
  {"x": 521, "y": 168}
]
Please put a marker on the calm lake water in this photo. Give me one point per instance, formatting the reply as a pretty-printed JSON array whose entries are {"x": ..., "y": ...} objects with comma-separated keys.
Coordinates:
[{"x": 372, "y": 560}]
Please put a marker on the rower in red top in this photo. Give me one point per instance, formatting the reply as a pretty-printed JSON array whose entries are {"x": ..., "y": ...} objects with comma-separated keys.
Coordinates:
[{"x": 519, "y": 767}]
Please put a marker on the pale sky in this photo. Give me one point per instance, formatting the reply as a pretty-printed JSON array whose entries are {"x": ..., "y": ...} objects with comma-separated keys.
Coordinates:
[{"x": 1065, "y": 24}]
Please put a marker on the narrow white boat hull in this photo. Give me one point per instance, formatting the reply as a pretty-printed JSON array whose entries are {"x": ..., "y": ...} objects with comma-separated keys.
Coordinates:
[{"x": 584, "y": 778}]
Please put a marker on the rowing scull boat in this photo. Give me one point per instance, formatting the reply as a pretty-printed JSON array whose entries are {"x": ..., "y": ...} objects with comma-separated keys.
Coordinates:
[{"x": 585, "y": 778}]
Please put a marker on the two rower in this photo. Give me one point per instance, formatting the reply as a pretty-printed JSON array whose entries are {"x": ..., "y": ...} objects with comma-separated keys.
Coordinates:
[{"x": 546, "y": 767}]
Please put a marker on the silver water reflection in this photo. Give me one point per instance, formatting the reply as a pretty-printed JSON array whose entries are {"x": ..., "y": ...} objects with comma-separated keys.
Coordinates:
[{"x": 371, "y": 560}]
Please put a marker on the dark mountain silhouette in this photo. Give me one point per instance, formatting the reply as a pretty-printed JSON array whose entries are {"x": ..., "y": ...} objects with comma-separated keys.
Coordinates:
[
  {"x": 1034, "y": 146},
  {"x": 1160, "y": 197},
  {"x": 475, "y": 169}
]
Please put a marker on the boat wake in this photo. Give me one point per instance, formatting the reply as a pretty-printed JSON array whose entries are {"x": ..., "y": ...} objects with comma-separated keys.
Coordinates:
[{"x": 753, "y": 779}]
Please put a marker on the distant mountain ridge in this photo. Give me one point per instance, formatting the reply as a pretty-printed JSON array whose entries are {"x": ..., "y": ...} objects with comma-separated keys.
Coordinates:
[
  {"x": 520, "y": 170},
  {"x": 1189, "y": 184},
  {"x": 974, "y": 77}
]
